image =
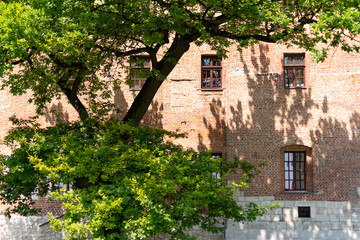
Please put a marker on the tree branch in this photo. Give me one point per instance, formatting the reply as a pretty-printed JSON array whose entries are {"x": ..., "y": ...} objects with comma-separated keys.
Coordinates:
[
  {"x": 179, "y": 46},
  {"x": 119, "y": 53},
  {"x": 227, "y": 34}
]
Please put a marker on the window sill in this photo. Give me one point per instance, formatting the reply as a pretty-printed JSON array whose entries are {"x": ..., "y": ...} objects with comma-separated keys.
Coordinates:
[
  {"x": 295, "y": 87},
  {"x": 212, "y": 89},
  {"x": 296, "y": 192},
  {"x": 135, "y": 89}
]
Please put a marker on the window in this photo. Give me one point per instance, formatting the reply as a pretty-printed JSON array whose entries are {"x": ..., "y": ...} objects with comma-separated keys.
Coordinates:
[
  {"x": 294, "y": 70},
  {"x": 139, "y": 68},
  {"x": 210, "y": 72},
  {"x": 296, "y": 167},
  {"x": 295, "y": 178},
  {"x": 304, "y": 212},
  {"x": 216, "y": 175}
]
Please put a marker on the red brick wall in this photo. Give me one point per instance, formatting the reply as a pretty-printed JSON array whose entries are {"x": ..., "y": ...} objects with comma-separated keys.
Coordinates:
[{"x": 254, "y": 116}]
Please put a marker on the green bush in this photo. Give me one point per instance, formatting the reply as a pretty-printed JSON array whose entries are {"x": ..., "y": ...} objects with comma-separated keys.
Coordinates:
[{"x": 127, "y": 182}]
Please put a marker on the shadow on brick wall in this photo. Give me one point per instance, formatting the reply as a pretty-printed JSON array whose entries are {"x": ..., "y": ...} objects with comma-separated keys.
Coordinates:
[
  {"x": 56, "y": 113},
  {"x": 262, "y": 116}
]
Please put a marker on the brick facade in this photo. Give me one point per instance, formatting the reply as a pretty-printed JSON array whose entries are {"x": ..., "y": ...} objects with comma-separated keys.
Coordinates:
[{"x": 256, "y": 118}]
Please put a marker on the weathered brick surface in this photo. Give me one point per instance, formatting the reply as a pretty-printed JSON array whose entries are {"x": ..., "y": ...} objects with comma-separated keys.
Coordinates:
[{"x": 254, "y": 117}]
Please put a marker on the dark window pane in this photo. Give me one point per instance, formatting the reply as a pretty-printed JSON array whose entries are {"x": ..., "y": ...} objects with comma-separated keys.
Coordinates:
[
  {"x": 203, "y": 74},
  {"x": 214, "y": 72},
  {"x": 206, "y": 62},
  {"x": 302, "y": 176},
  {"x": 304, "y": 212},
  {"x": 290, "y": 60},
  {"x": 302, "y": 167},
  {"x": 216, "y": 62},
  {"x": 299, "y": 60}
]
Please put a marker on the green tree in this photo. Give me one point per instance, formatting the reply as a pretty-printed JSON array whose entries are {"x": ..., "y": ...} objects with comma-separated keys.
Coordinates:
[
  {"x": 68, "y": 46},
  {"x": 128, "y": 183}
]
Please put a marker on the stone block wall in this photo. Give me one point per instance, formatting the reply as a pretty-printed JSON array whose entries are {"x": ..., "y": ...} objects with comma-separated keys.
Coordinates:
[
  {"x": 328, "y": 220},
  {"x": 27, "y": 228}
]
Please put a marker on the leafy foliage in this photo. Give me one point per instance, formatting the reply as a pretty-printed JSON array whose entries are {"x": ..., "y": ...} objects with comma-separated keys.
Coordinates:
[
  {"x": 76, "y": 48},
  {"x": 128, "y": 182}
]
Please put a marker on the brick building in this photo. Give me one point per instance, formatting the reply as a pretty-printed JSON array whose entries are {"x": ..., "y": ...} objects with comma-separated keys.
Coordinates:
[{"x": 267, "y": 103}]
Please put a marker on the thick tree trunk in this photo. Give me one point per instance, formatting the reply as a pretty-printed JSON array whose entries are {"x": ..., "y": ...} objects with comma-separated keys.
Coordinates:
[
  {"x": 80, "y": 108},
  {"x": 143, "y": 100},
  {"x": 76, "y": 103}
]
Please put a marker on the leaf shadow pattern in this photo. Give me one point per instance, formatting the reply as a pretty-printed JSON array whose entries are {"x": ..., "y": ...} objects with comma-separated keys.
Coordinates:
[
  {"x": 56, "y": 113},
  {"x": 262, "y": 117}
]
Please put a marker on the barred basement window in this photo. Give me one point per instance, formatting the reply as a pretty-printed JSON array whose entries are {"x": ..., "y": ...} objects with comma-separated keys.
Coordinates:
[
  {"x": 304, "y": 212},
  {"x": 210, "y": 72},
  {"x": 295, "y": 177},
  {"x": 294, "y": 70},
  {"x": 139, "y": 68}
]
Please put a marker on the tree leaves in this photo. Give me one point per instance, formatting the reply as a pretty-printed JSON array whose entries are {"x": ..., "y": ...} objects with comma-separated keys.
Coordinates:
[
  {"x": 69, "y": 47},
  {"x": 128, "y": 182}
]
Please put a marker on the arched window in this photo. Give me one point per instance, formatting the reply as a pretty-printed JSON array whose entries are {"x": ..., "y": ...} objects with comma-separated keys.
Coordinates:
[{"x": 296, "y": 162}]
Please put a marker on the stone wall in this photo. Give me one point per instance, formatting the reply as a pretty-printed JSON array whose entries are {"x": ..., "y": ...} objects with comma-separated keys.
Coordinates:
[
  {"x": 328, "y": 220},
  {"x": 27, "y": 228}
]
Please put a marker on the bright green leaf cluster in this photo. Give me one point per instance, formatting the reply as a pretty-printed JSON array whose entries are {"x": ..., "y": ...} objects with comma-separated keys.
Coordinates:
[{"x": 127, "y": 182}]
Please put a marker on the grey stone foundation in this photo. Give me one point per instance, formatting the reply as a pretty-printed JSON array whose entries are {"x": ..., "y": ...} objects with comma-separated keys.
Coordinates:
[
  {"x": 27, "y": 228},
  {"x": 328, "y": 220}
]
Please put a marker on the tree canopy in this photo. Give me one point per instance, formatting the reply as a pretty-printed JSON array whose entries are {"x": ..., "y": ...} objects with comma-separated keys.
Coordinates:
[
  {"x": 68, "y": 46},
  {"x": 127, "y": 182}
]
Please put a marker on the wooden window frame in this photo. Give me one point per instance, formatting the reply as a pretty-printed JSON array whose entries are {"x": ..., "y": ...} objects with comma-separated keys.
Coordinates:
[
  {"x": 298, "y": 171},
  {"x": 138, "y": 68},
  {"x": 211, "y": 68},
  {"x": 293, "y": 67},
  {"x": 309, "y": 168}
]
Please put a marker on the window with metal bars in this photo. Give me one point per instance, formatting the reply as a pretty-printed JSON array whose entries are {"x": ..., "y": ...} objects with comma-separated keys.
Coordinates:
[
  {"x": 295, "y": 176},
  {"x": 294, "y": 70},
  {"x": 304, "y": 212},
  {"x": 139, "y": 71},
  {"x": 211, "y": 72}
]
